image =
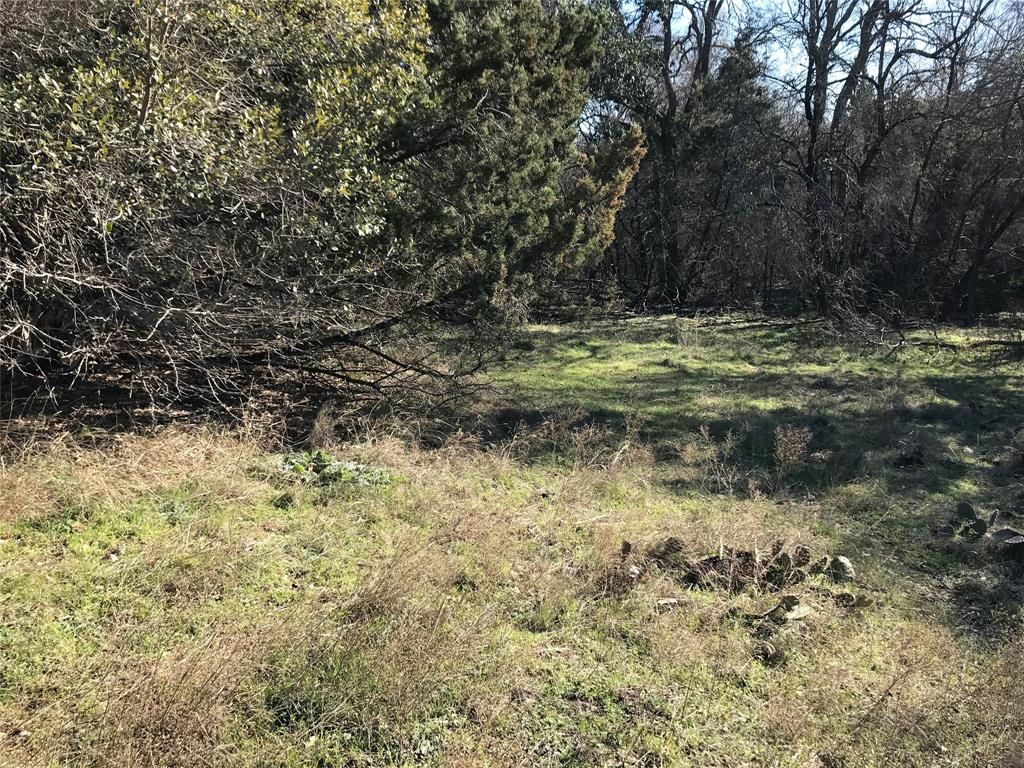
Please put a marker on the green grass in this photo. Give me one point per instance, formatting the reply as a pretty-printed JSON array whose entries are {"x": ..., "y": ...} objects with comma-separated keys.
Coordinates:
[
  {"x": 188, "y": 598},
  {"x": 863, "y": 409}
]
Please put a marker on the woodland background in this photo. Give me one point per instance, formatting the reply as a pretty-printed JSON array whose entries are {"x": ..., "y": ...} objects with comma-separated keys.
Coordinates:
[{"x": 205, "y": 199}]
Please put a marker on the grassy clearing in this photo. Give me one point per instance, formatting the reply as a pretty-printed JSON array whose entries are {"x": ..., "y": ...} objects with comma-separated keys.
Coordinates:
[{"x": 191, "y": 598}]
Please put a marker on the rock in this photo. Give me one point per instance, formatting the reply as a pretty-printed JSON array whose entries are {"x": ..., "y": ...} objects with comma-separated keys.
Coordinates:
[
  {"x": 782, "y": 572},
  {"x": 665, "y": 604},
  {"x": 849, "y": 600},
  {"x": 976, "y": 528},
  {"x": 1008, "y": 536},
  {"x": 840, "y": 568},
  {"x": 779, "y": 570},
  {"x": 731, "y": 569},
  {"x": 780, "y": 612},
  {"x": 965, "y": 511},
  {"x": 799, "y": 612},
  {"x": 801, "y": 556},
  {"x": 744, "y": 556},
  {"x": 1008, "y": 542},
  {"x": 706, "y": 573},
  {"x": 820, "y": 564}
]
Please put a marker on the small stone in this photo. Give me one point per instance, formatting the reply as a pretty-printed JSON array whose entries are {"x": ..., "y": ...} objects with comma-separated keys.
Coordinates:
[
  {"x": 665, "y": 604},
  {"x": 783, "y": 561},
  {"x": 800, "y": 612},
  {"x": 976, "y": 528},
  {"x": 780, "y": 612},
  {"x": 840, "y": 569},
  {"x": 849, "y": 600},
  {"x": 784, "y": 574},
  {"x": 768, "y": 653},
  {"x": 965, "y": 511},
  {"x": 820, "y": 564},
  {"x": 801, "y": 556}
]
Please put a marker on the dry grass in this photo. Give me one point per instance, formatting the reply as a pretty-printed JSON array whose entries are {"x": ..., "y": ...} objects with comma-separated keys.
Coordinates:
[
  {"x": 178, "y": 599},
  {"x": 469, "y": 637},
  {"x": 42, "y": 475}
]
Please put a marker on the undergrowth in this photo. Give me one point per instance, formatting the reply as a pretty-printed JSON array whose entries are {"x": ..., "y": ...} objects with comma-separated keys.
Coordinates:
[{"x": 585, "y": 591}]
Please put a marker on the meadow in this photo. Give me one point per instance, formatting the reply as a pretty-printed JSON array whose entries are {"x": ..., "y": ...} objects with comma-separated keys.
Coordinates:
[{"x": 651, "y": 542}]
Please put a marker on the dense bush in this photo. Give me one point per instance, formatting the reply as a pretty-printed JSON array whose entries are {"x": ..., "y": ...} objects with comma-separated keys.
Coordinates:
[{"x": 198, "y": 197}]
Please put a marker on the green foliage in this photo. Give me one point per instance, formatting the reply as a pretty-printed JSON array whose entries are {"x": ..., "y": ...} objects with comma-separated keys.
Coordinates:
[
  {"x": 510, "y": 194},
  {"x": 320, "y": 468},
  {"x": 216, "y": 193}
]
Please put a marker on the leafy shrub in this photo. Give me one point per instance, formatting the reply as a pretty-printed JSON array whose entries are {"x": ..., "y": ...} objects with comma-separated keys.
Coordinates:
[
  {"x": 320, "y": 468},
  {"x": 220, "y": 196}
]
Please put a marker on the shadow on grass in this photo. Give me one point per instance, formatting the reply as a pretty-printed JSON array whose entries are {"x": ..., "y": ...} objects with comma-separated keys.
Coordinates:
[{"x": 901, "y": 441}]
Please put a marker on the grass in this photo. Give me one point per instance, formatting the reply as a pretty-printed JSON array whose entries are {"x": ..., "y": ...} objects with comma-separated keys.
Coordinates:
[{"x": 507, "y": 597}]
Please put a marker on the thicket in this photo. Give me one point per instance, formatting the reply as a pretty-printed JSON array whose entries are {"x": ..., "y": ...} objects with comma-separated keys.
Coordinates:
[
  {"x": 205, "y": 198},
  {"x": 215, "y": 198},
  {"x": 840, "y": 156}
]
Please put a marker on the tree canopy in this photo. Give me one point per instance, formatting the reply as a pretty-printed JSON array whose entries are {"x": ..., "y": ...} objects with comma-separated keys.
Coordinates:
[{"x": 203, "y": 196}]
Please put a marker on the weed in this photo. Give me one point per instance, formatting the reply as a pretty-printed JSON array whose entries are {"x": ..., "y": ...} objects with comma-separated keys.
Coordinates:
[
  {"x": 719, "y": 462},
  {"x": 320, "y": 468},
  {"x": 789, "y": 452}
]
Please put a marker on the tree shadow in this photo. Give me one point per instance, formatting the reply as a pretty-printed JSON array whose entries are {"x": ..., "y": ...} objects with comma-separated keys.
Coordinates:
[{"x": 896, "y": 449}]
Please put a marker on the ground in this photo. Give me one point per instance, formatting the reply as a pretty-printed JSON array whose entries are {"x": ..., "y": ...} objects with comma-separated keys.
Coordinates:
[{"x": 604, "y": 566}]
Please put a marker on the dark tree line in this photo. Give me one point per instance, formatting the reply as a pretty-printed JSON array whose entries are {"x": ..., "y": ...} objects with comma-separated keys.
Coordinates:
[{"x": 834, "y": 155}]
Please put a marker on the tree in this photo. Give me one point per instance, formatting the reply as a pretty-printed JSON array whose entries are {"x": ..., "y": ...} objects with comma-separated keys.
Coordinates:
[
  {"x": 707, "y": 167},
  {"x": 876, "y": 170},
  {"x": 200, "y": 198}
]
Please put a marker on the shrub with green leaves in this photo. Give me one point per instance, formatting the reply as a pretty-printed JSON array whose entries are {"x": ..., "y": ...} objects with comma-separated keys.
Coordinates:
[
  {"x": 320, "y": 468},
  {"x": 212, "y": 196}
]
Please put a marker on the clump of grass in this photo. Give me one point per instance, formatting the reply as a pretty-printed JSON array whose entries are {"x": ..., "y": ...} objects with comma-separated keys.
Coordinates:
[
  {"x": 789, "y": 452},
  {"x": 381, "y": 674},
  {"x": 719, "y": 462}
]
